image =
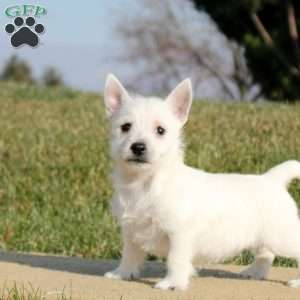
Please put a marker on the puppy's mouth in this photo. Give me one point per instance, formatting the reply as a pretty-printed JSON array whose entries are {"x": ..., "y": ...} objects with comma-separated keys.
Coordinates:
[{"x": 137, "y": 160}]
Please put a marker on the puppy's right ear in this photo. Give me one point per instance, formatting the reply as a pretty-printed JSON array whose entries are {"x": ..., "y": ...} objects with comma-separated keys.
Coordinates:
[{"x": 114, "y": 95}]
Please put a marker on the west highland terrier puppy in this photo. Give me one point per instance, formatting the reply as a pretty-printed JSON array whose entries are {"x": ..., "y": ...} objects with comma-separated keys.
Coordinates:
[{"x": 171, "y": 210}]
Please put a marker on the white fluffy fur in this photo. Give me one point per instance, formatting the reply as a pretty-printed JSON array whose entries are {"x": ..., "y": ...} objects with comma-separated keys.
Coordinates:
[{"x": 172, "y": 210}]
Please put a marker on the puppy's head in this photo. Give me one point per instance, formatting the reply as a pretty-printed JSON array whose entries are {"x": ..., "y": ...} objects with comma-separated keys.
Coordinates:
[{"x": 145, "y": 131}]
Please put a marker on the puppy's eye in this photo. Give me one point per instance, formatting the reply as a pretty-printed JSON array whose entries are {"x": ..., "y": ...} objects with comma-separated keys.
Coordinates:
[
  {"x": 125, "y": 127},
  {"x": 160, "y": 130}
]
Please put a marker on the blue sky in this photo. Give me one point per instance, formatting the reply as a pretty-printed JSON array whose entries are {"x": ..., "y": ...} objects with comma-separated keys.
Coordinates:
[{"x": 79, "y": 40}]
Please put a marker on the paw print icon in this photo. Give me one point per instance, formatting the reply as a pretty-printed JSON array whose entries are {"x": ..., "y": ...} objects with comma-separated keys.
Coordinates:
[{"x": 24, "y": 32}]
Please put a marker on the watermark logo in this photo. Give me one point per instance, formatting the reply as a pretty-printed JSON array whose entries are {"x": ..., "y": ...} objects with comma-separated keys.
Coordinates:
[{"x": 25, "y": 30}]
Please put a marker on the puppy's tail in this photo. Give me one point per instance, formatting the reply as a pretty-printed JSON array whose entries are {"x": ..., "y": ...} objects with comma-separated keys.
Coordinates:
[{"x": 285, "y": 172}]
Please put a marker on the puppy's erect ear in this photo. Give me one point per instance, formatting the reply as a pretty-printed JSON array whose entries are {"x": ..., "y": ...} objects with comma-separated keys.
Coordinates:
[
  {"x": 114, "y": 94},
  {"x": 180, "y": 100}
]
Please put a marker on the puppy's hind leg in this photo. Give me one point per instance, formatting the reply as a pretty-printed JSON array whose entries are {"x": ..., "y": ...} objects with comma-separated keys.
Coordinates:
[
  {"x": 295, "y": 283},
  {"x": 290, "y": 247},
  {"x": 261, "y": 266}
]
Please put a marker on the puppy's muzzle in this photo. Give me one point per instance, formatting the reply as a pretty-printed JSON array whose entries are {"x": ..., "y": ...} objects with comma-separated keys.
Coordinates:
[
  {"x": 138, "y": 149},
  {"x": 139, "y": 153}
]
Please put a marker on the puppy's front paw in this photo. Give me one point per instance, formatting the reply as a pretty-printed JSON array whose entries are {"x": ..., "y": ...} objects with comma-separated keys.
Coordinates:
[
  {"x": 122, "y": 274},
  {"x": 113, "y": 275},
  {"x": 168, "y": 284}
]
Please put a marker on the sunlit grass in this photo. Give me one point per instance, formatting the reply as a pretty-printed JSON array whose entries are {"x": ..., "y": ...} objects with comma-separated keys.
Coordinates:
[
  {"x": 28, "y": 292},
  {"x": 55, "y": 170}
]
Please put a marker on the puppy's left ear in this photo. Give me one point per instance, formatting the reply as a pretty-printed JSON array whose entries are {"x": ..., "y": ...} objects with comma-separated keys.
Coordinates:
[{"x": 180, "y": 100}]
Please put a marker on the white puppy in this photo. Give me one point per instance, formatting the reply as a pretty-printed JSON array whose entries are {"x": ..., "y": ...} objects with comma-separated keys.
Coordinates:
[{"x": 172, "y": 210}]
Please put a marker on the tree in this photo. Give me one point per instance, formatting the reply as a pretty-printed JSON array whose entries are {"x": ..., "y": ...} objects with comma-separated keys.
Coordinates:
[
  {"x": 169, "y": 40},
  {"x": 268, "y": 30},
  {"x": 51, "y": 77},
  {"x": 17, "y": 70}
]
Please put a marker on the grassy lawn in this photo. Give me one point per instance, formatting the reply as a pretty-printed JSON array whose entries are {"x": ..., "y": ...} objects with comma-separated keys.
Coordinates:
[
  {"x": 28, "y": 292},
  {"x": 55, "y": 170}
]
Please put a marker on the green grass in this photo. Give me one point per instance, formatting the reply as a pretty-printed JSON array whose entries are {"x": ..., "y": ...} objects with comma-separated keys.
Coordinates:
[
  {"x": 28, "y": 292},
  {"x": 55, "y": 184}
]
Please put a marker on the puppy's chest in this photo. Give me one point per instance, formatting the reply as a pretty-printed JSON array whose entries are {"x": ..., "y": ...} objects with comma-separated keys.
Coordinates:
[{"x": 140, "y": 217}]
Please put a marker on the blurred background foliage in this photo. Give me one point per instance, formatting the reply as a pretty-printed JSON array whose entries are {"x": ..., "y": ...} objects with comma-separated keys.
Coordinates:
[
  {"x": 19, "y": 70},
  {"x": 244, "y": 50},
  {"x": 268, "y": 29}
]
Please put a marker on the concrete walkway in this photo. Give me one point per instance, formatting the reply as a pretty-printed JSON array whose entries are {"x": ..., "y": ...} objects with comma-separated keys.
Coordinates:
[{"x": 83, "y": 279}]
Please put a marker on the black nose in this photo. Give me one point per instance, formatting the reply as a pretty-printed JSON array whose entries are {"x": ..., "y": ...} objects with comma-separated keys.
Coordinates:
[{"x": 138, "y": 148}]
